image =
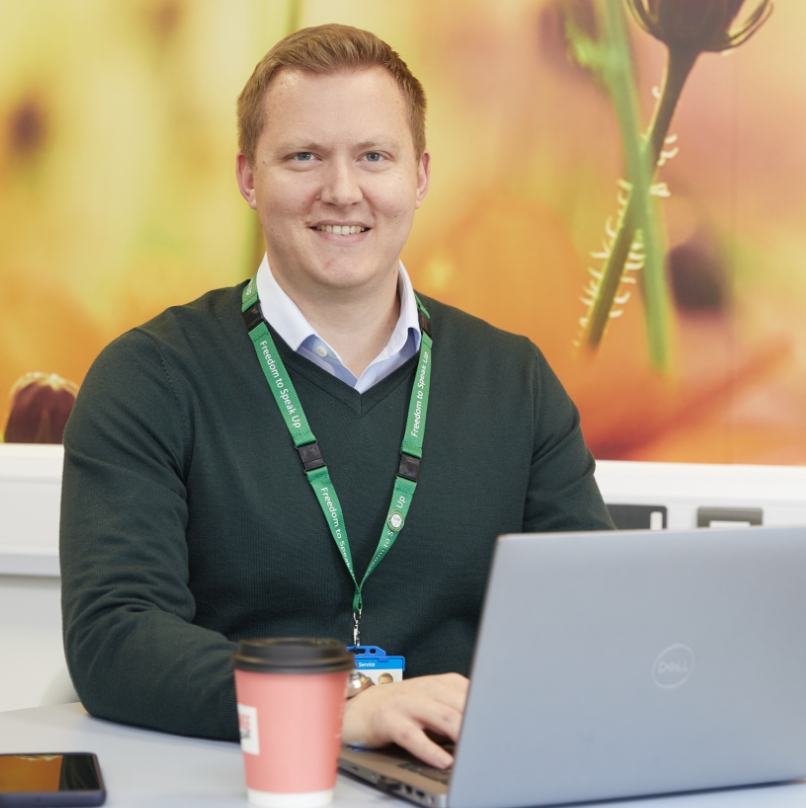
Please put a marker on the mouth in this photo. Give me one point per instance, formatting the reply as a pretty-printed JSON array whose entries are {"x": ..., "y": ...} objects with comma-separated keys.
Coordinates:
[{"x": 340, "y": 229}]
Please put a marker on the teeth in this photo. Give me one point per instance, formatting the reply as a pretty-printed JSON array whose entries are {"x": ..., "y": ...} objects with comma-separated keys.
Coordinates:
[{"x": 341, "y": 230}]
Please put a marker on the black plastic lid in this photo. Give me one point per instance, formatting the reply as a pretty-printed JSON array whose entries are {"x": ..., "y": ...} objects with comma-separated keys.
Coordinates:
[{"x": 292, "y": 655}]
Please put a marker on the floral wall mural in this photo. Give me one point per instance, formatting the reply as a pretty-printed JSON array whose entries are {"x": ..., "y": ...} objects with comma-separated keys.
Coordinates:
[{"x": 620, "y": 180}]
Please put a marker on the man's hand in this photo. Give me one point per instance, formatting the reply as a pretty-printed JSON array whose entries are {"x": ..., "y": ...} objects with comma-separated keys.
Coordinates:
[{"x": 401, "y": 712}]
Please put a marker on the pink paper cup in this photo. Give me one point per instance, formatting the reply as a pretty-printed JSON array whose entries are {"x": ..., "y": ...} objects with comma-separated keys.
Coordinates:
[{"x": 291, "y": 694}]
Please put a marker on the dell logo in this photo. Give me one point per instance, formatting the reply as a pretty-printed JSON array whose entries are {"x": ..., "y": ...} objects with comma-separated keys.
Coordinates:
[{"x": 673, "y": 666}]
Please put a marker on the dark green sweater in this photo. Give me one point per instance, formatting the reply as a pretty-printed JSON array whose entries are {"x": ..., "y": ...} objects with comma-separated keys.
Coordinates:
[{"x": 187, "y": 522}]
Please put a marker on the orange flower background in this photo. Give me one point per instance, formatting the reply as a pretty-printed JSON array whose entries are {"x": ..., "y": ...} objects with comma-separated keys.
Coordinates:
[{"x": 118, "y": 198}]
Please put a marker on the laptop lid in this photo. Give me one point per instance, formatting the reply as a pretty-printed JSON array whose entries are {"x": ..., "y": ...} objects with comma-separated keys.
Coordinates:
[{"x": 620, "y": 664}]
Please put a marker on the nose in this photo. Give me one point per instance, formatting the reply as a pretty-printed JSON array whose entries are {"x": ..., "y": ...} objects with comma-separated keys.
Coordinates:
[{"x": 340, "y": 183}]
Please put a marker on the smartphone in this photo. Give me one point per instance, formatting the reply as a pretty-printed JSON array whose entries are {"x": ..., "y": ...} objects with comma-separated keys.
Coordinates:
[{"x": 58, "y": 778}]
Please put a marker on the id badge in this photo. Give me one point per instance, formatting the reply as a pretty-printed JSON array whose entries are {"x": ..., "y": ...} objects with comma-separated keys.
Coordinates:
[{"x": 373, "y": 663}]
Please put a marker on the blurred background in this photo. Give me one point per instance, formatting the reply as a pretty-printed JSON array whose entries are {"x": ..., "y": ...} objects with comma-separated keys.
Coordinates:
[{"x": 118, "y": 199}]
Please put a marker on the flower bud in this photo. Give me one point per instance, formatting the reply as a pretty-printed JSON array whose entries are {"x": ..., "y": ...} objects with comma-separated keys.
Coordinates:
[
  {"x": 40, "y": 406},
  {"x": 692, "y": 23},
  {"x": 698, "y": 25}
]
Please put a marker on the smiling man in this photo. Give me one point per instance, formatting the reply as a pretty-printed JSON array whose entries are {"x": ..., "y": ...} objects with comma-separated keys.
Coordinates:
[
  {"x": 317, "y": 451},
  {"x": 336, "y": 198}
]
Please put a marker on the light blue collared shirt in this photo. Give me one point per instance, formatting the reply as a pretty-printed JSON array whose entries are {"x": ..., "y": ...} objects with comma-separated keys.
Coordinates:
[{"x": 290, "y": 323}]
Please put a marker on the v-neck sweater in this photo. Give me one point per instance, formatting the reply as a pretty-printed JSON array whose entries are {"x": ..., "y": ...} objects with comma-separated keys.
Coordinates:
[{"x": 187, "y": 522}]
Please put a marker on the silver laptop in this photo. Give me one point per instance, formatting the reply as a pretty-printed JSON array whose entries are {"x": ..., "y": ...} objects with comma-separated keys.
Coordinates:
[{"x": 622, "y": 664}]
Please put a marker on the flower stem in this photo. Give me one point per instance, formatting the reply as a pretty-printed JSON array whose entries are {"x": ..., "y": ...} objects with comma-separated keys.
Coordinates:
[
  {"x": 294, "y": 16},
  {"x": 638, "y": 216},
  {"x": 678, "y": 66}
]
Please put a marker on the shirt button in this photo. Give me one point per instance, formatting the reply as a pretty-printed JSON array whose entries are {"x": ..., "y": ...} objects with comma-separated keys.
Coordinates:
[{"x": 321, "y": 350}]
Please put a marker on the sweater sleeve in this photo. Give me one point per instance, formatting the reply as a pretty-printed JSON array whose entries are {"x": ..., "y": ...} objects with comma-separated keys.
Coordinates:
[
  {"x": 132, "y": 650},
  {"x": 562, "y": 495}
]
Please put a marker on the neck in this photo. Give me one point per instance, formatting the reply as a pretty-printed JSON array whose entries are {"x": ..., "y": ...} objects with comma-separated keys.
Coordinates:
[{"x": 357, "y": 323}]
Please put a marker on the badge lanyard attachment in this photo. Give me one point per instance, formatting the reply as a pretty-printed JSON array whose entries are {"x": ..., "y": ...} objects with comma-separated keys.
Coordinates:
[{"x": 313, "y": 464}]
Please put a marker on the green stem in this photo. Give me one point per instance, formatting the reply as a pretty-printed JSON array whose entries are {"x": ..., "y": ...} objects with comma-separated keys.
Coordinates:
[
  {"x": 294, "y": 16},
  {"x": 636, "y": 216}
]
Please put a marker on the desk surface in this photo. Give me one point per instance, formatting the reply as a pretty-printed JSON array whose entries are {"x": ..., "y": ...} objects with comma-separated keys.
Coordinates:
[{"x": 145, "y": 768}]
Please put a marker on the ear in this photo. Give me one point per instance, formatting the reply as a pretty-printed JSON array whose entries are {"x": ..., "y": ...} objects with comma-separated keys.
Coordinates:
[
  {"x": 423, "y": 177},
  {"x": 246, "y": 179}
]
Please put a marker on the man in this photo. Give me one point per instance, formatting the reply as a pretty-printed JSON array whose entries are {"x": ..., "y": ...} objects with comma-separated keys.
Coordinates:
[{"x": 196, "y": 506}]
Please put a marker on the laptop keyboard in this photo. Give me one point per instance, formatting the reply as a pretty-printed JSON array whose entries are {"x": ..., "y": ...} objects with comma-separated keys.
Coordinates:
[{"x": 432, "y": 773}]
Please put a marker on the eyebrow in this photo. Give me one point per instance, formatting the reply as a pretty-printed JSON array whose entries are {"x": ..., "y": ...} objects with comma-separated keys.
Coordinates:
[
  {"x": 379, "y": 143},
  {"x": 310, "y": 146},
  {"x": 298, "y": 146}
]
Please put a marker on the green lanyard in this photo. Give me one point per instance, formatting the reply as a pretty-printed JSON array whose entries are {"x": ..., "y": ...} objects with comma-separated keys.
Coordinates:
[{"x": 411, "y": 449}]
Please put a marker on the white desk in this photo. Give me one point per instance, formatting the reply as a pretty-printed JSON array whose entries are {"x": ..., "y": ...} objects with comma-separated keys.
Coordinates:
[{"x": 144, "y": 768}]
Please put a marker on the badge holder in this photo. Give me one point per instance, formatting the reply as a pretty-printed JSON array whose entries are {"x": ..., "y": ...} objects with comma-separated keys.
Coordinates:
[{"x": 373, "y": 663}]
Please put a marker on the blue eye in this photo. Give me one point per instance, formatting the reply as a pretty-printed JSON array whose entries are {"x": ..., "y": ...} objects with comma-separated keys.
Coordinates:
[
  {"x": 374, "y": 157},
  {"x": 304, "y": 156}
]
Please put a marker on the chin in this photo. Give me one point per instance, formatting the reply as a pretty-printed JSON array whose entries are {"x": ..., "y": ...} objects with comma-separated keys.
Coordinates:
[
  {"x": 344, "y": 278},
  {"x": 343, "y": 283}
]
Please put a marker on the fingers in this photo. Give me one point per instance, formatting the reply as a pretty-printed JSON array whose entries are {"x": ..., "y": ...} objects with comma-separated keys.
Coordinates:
[
  {"x": 412, "y": 738},
  {"x": 449, "y": 688},
  {"x": 402, "y": 712}
]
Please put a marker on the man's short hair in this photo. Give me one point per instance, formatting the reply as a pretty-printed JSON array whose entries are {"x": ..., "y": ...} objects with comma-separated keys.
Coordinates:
[{"x": 326, "y": 49}]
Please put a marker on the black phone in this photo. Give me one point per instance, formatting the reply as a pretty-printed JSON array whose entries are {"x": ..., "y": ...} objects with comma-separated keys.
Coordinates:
[{"x": 57, "y": 778}]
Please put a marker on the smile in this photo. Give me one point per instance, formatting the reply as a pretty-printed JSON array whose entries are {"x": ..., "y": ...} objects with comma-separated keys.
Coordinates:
[{"x": 341, "y": 230}]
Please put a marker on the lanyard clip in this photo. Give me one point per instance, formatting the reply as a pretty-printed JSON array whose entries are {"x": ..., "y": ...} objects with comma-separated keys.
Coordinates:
[
  {"x": 409, "y": 468},
  {"x": 311, "y": 456},
  {"x": 253, "y": 316},
  {"x": 357, "y": 628}
]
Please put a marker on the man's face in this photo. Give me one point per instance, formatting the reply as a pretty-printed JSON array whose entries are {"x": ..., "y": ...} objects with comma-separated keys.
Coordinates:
[{"x": 336, "y": 180}]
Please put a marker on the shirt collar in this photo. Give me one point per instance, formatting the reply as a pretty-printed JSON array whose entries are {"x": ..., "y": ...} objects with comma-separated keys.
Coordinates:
[{"x": 291, "y": 324}]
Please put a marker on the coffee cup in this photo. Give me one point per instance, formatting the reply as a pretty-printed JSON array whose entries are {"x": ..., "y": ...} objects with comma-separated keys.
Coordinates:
[{"x": 291, "y": 696}]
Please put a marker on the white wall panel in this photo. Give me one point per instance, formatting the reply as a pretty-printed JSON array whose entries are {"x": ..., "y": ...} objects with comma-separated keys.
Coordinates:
[
  {"x": 31, "y": 649},
  {"x": 30, "y": 491}
]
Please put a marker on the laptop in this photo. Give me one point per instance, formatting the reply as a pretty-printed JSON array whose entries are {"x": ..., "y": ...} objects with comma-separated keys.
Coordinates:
[{"x": 624, "y": 664}]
